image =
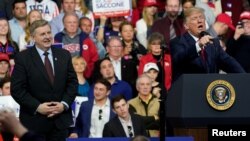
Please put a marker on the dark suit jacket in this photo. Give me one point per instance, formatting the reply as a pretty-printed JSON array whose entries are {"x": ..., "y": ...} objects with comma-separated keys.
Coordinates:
[
  {"x": 83, "y": 121},
  {"x": 186, "y": 59},
  {"x": 30, "y": 86},
  {"x": 129, "y": 73},
  {"x": 163, "y": 26},
  {"x": 114, "y": 127},
  {"x": 31, "y": 136}
]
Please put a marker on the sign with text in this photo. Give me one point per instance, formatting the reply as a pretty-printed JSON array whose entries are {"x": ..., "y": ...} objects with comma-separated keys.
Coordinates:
[{"x": 111, "y": 8}]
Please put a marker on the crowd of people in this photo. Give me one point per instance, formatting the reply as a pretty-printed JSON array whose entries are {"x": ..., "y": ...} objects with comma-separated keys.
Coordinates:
[{"x": 52, "y": 51}]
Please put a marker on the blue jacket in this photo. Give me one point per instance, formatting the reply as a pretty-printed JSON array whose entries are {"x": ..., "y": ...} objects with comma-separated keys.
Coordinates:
[
  {"x": 118, "y": 87},
  {"x": 83, "y": 120}
]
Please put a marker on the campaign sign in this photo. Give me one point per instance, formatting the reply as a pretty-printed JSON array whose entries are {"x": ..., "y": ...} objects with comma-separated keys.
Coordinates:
[
  {"x": 111, "y": 8},
  {"x": 9, "y": 103}
]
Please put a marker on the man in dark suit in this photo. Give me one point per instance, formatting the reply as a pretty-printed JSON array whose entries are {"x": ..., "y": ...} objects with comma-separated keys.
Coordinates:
[
  {"x": 93, "y": 114},
  {"x": 124, "y": 67},
  {"x": 44, "y": 84},
  {"x": 193, "y": 53},
  {"x": 124, "y": 124}
]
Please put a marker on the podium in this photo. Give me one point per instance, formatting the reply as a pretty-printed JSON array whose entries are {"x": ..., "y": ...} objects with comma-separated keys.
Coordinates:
[{"x": 187, "y": 107}]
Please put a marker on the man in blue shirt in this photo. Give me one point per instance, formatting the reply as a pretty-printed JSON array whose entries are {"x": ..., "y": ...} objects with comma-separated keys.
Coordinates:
[
  {"x": 104, "y": 69},
  {"x": 18, "y": 22}
]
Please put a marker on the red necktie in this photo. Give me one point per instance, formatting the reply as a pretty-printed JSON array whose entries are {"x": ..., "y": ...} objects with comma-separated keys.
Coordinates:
[
  {"x": 203, "y": 54},
  {"x": 48, "y": 67}
]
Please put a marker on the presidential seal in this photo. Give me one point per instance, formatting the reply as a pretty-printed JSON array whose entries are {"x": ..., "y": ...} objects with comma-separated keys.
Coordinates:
[{"x": 220, "y": 95}]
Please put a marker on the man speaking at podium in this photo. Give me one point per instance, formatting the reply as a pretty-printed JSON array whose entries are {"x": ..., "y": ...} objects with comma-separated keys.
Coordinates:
[{"x": 198, "y": 52}]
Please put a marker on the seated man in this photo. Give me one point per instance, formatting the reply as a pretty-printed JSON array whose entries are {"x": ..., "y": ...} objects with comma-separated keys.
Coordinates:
[
  {"x": 124, "y": 124},
  {"x": 95, "y": 113},
  {"x": 146, "y": 105}
]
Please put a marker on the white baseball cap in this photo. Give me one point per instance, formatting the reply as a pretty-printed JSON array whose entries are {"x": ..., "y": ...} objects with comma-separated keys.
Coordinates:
[{"x": 150, "y": 66}]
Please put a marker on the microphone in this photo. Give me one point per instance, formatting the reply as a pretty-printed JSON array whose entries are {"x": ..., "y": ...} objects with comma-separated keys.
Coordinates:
[{"x": 203, "y": 33}]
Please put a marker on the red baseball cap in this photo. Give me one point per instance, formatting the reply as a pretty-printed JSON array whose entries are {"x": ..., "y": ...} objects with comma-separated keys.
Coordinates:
[
  {"x": 4, "y": 57},
  {"x": 148, "y": 3},
  {"x": 245, "y": 15},
  {"x": 224, "y": 18}
]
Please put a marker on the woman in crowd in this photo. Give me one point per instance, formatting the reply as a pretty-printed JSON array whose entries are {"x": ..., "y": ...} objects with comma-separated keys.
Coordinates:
[
  {"x": 132, "y": 49},
  {"x": 149, "y": 15},
  {"x": 104, "y": 32},
  {"x": 83, "y": 10},
  {"x": 7, "y": 45},
  {"x": 25, "y": 39},
  {"x": 155, "y": 44},
  {"x": 4, "y": 66},
  {"x": 79, "y": 65}
]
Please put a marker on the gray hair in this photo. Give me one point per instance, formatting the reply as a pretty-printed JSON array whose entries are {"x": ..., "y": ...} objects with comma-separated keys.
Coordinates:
[
  {"x": 142, "y": 76},
  {"x": 111, "y": 38},
  {"x": 70, "y": 14},
  {"x": 37, "y": 24}
]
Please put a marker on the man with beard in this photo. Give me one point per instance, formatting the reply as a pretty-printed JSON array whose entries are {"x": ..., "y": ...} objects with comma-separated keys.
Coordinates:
[
  {"x": 171, "y": 25},
  {"x": 197, "y": 52},
  {"x": 105, "y": 69},
  {"x": 18, "y": 22}
]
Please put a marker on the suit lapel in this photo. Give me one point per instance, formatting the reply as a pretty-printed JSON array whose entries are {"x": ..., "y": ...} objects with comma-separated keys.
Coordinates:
[
  {"x": 39, "y": 63},
  {"x": 135, "y": 125},
  {"x": 123, "y": 67},
  {"x": 189, "y": 39},
  {"x": 191, "y": 42},
  {"x": 56, "y": 64},
  {"x": 119, "y": 126}
]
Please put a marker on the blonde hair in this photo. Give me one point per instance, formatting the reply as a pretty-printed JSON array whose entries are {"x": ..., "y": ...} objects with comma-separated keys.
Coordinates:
[
  {"x": 145, "y": 17},
  {"x": 83, "y": 8},
  {"x": 80, "y": 58},
  {"x": 192, "y": 10},
  {"x": 26, "y": 29}
]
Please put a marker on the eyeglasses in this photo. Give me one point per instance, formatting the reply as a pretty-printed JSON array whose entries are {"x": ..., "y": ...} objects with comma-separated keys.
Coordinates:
[
  {"x": 130, "y": 133},
  {"x": 100, "y": 114}
]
